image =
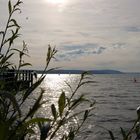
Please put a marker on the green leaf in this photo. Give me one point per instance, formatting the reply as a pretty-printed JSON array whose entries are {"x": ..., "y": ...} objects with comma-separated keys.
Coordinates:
[
  {"x": 87, "y": 82},
  {"x": 12, "y": 98},
  {"x": 44, "y": 129},
  {"x": 32, "y": 88},
  {"x": 19, "y": 2},
  {"x": 30, "y": 131},
  {"x": 9, "y": 26},
  {"x": 111, "y": 135},
  {"x": 123, "y": 133},
  {"x": 20, "y": 52},
  {"x": 6, "y": 58},
  {"x": 71, "y": 135},
  {"x": 36, "y": 120},
  {"x": 15, "y": 22},
  {"x": 84, "y": 74},
  {"x": 10, "y": 6},
  {"x": 36, "y": 106},
  {"x": 1, "y": 32},
  {"x": 14, "y": 36},
  {"x": 17, "y": 9},
  {"x": 54, "y": 113},
  {"x": 77, "y": 101},
  {"x": 3, "y": 131},
  {"x": 50, "y": 70},
  {"x": 85, "y": 115},
  {"x": 49, "y": 54},
  {"x": 61, "y": 103},
  {"x": 25, "y": 64}
]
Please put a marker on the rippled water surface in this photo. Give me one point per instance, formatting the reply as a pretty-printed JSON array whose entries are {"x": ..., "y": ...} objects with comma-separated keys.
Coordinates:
[{"x": 117, "y": 98}]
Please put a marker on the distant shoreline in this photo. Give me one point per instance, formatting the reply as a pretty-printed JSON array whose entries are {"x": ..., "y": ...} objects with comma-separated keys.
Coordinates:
[
  {"x": 61, "y": 71},
  {"x": 81, "y": 71}
]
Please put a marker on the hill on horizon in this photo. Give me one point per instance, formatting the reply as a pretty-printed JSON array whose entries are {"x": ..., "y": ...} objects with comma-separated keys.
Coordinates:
[{"x": 81, "y": 71}]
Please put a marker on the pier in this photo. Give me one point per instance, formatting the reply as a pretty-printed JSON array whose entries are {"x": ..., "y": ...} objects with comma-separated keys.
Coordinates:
[{"x": 21, "y": 78}]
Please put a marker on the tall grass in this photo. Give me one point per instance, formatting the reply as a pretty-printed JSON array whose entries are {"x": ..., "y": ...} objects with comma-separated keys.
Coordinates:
[
  {"x": 131, "y": 134},
  {"x": 16, "y": 124}
]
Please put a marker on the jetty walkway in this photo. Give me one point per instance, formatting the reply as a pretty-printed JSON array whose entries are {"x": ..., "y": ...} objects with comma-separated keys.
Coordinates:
[{"x": 22, "y": 78}]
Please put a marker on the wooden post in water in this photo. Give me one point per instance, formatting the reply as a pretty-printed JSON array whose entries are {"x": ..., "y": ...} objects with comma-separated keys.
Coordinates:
[
  {"x": 31, "y": 78},
  {"x": 21, "y": 77},
  {"x": 26, "y": 75}
]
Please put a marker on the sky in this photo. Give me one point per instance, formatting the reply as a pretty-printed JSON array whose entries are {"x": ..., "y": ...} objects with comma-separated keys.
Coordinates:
[{"x": 88, "y": 34}]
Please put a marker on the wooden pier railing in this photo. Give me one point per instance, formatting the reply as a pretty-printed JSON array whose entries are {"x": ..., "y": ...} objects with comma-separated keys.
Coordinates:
[
  {"x": 25, "y": 76},
  {"x": 22, "y": 77}
]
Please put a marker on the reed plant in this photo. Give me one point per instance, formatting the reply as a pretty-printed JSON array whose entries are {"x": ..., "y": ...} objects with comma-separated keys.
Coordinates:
[
  {"x": 131, "y": 134},
  {"x": 16, "y": 124}
]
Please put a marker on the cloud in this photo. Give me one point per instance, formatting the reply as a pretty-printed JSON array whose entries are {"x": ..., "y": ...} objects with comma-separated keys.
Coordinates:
[
  {"x": 84, "y": 34},
  {"x": 132, "y": 29},
  {"x": 99, "y": 50},
  {"x": 71, "y": 52},
  {"x": 75, "y": 51},
  {"x": 80, "y": 46},
  {"x": 105, "y": 30},
  {"x": 118, "y": 45}
]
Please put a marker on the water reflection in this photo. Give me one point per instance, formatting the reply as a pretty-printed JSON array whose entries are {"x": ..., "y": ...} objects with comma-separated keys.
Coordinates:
[
  {"x": 55, "y": 81},
  {"x": 53, "y": 85},
  {"x": 116, "y": 97}
]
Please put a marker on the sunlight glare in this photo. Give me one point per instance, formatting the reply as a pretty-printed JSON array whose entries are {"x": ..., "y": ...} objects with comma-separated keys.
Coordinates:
[{"x": 57, "y": 1}]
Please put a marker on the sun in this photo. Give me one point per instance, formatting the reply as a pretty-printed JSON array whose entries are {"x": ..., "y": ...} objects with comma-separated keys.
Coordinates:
[{"x": 57, "y": 1}]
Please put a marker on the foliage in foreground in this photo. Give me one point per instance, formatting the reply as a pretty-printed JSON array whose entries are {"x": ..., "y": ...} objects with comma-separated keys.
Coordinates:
[
  {"x": 131, "y": 134},
  {"x": 16, "y": 124}
]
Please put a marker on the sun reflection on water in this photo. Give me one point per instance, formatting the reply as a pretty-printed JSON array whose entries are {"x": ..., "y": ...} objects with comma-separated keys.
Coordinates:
[{"x": 53, "y": 85}]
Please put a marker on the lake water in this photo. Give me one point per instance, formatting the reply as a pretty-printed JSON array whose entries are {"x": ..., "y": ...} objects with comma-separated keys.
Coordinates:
[{"x": 117, "y": 98}]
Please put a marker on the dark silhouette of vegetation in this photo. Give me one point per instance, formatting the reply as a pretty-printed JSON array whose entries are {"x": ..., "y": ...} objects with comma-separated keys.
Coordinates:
[
  {"x": 16, "y": 124},
  {"x": 131, "y": 134}
]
